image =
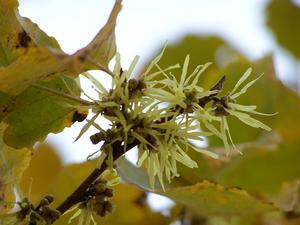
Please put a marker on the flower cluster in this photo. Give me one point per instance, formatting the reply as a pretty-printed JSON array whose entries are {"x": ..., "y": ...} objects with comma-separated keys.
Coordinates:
[
  {"x": 98, "y": 199},
  {"x": 162, "y": 115},
  {"x": 226, "y": 106}
]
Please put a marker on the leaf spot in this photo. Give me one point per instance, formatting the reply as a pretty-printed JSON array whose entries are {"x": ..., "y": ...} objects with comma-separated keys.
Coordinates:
[
  {"x": 77, "y": 116},
  {"x": 24, "y": 39}
]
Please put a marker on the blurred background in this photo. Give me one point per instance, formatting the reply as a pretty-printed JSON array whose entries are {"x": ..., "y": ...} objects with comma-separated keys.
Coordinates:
[{"x": 232, "y": 34}]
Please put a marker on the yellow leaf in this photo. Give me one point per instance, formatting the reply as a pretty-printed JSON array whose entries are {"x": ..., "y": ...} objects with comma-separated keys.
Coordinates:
[
  {"x": 28, "y": 55},
  {"x": 12, "y": 165},
  {"x": 43, "y": 169},
  {"x": 208, "y": 198}
]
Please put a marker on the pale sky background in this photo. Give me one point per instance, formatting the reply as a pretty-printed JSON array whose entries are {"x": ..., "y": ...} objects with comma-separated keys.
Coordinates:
[{"x": 143, "y": 27}]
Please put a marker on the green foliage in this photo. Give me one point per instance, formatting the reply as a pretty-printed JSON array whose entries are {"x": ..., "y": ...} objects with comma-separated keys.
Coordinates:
[
  {"x": 283, "y": 19},
  {"x": 36, "y": 113},
  {"x": 250, "y": 171}
]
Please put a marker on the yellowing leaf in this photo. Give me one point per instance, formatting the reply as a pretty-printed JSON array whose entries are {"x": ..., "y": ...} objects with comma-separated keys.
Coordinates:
[
  {"x": 37, "y": 35},
  {"x": 68, "y": 179},
  {"x": 289, "y": 196},
  {"x": 9, "y": 30},
  {"x": 37, "y": 64},
  {"x": 6, "y": 104},
  {"x": 208, "y": 198},
  {"x": 204, "y": 198},
  {"x": 34, "y": 104},
  {"x": 12, "y": 165},
  {"x": 44, "y": 167},
  {"x": 103, "y": 47},
  {"x": 36, "y": 113},
  {"x": 28, "y": 55}
]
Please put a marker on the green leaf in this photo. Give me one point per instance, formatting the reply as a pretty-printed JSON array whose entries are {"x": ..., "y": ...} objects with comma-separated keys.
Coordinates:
[
  {"x": 261, "y": 170},
  {"x": 283, "y": 19},
  {"x": 37, "y": 113}
]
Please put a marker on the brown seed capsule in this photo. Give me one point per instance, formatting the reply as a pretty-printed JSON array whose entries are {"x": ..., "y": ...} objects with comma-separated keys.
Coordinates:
[
  {"x": 96, "y": 138},
  {"x": 108, "y": 206},
  {"x": 50, "y": 198},
  {"x": 55, "y": 214},
  {"x": 132, "y": 84},
  {"x": 99, "y": 199},
  {"x": 109, "y": 192},
  {"x": 141, "y": 85},
  {"x": 100, "y": 188},
  {"x": 46, "y": 210},
  {"x": 43, "y": 202},
  {"x": 100, "y": 210}
]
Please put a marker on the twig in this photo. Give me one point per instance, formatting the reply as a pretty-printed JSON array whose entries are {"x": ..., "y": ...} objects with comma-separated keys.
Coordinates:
[
  {"x": 217, "y": 87},
  {"x": 64, "y": 95},
  {"x": 80, "y": 192}
]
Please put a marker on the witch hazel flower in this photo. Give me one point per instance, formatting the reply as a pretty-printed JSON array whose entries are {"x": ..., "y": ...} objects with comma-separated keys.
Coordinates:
[
  {"x": 162, "y": 115},
  {"x": 183, "y": 93},
  {"x": 227, "y": 105}
]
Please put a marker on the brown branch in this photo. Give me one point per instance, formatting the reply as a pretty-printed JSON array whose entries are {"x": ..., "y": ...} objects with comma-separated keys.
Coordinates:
[{"x": 79, "y": 194}]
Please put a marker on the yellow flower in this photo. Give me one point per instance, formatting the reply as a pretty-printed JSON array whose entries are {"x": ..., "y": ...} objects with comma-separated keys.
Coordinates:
[
  {"x": 183, "y": 93},
  {"x": 227, "y": 106}
]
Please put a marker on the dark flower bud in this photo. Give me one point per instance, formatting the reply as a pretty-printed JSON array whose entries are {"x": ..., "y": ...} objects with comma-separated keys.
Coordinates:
[
  {"x": 132, "y": 85},
  {"x": 100, "y": 188},
  {"x": 43, "y": 202},
  {"x": 109, "y": 192},
  {"x": 108, "y": 206},
  {"x": 96, "y": 138},
  {"x": 50, "y": 198}
]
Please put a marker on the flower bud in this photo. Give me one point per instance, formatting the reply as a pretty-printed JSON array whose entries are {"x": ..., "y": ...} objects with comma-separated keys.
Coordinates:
[{"x": 50, "y": 198}]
